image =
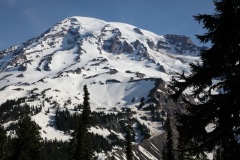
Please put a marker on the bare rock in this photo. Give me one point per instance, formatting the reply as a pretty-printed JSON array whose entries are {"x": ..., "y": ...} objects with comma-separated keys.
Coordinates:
[
  {"x": 17, "y": 59},
  {"x": 113, "y": 71},
  {"x": 140, "y": 75},
  {"x": 22, "y": 68},
  {"x": 78, "y": 71},
  {"x": 151, "y": 45},
  {"x": 112, "y": 44},
  {"x": 137, "y": 30},
  {"x": 183, "y": 44},
  {"x": 137, "y": 44},
  {"x": 128, "y": 71},
  {"x": 126, "y": 48},
  {"x": 113, "y": 81},
  {"x": 73, "y": 31},
  {"x": 163, "y": 45},
  {"x": 161, "y": 69},
  {"x": 20, "y": 75}
]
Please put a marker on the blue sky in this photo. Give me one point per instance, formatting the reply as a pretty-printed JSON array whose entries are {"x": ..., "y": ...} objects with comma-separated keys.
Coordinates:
[{"x": 25, "y": 19}]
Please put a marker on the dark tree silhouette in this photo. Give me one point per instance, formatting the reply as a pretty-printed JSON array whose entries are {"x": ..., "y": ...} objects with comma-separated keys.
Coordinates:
[
  {"x": 76, "y": 144},
  {"x": 86, "y": 108},
  {"x": 3, "y": 144},
  {"x": 80, "y": 146},
  {"x": 215, "y": 83},
  {"x": 168, "y": 149},
  {"x": 129, "y": 152},
  {"x": 28, "y": 144}
]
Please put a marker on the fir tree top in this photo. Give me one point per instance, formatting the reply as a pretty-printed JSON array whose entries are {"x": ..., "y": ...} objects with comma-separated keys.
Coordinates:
[{"x": 215, "y": 83}]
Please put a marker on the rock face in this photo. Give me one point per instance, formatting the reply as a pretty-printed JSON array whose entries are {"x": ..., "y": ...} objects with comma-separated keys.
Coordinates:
[
  {"x": 183, "y": 44},
  {"x": 163, "y": 45},
  {"x": 174, "y": 39},
  {"x": 126, "y": 48}
]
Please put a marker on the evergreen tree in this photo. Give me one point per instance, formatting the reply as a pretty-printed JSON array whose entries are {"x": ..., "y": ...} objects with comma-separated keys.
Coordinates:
[
  {"x": 182, "y": 154},
  {"x": 76, "y": 144},
  {"x": 80, "y": 146},
  {"x": 169, "y": 144},
  {"x": 129, "y": 153},
  {"x": 86, "y": 119},
  {"x": 55, "y": 150},
  {"x": 88, "y": 147},
  {"x": 28, "y": 144},
  {"x": 133, "y": 100},
  {"x": 86, "y": 108},
  {"x": 215, "y": 83},
  {"x": 164, "y": 154},
  {"x": 3, "y": 144}
]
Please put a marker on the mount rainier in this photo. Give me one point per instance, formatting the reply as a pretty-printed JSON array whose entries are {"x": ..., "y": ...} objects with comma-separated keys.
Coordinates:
[{"x": 122, "y": 65}]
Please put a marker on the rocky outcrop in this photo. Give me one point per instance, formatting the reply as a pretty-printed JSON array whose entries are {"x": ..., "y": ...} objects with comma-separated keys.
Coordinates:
[
  {"x": 73, "y": 31},
  {"x": 113, "y": 81},
  {"x": 20, "y": 75},
  {"x": 78, "y": 71},
  {"x": 151, "y": 45},
  {"x": 46, "y": 66},
  {"x": 140, "y": 75},
  {"x": 141, "y": 49},
  {"x": 161, "y": 68},
  {"x": 113, "y": 71},
  {"x": 18, "y": 59},
  {"x": 183, "y": 44},
  {"x": 112, "y": 44},
  {"x": 126, "y": 48},
  {"x": 163, "y": 45},
  {"x": 137, "y": 30},
  {"x": 174, "y": 39},
  {"x": 22, "y": 68}
]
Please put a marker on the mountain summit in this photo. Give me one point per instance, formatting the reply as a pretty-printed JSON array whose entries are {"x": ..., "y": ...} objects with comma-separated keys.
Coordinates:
[{"x": 125, "y": 68}]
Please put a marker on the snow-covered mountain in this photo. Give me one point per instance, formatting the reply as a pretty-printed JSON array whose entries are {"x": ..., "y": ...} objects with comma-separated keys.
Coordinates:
[{"x": 121, "y": 64}]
